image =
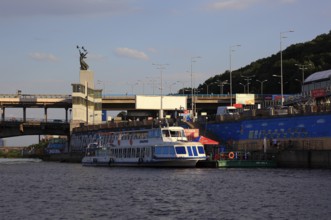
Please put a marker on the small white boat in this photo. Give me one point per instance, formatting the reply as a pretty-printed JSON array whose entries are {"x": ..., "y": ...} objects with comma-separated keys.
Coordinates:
[{"x": 156, "y": 147}]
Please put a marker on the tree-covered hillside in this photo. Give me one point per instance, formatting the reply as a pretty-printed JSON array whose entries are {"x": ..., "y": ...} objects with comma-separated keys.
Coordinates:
[{"x": 315, "y": 53}]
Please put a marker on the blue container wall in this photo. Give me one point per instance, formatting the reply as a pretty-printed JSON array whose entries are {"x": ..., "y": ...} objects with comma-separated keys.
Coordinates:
[{"x": 313, "y": 126}]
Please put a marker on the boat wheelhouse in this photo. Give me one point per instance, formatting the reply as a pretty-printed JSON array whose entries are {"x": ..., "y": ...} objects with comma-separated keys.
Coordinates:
[{"x": 156, "y": 147}]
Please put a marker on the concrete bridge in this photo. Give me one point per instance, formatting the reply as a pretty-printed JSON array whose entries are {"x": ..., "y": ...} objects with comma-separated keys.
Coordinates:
[
  {"x": 24, "y": 126},
  {"x": 20, "y": 128}
]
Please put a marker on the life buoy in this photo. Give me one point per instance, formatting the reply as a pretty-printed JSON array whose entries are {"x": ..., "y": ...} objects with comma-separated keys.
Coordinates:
[{"x": 231, "y": 155}]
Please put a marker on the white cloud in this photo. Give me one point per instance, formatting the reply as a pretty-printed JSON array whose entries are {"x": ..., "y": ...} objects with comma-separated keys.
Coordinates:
[
  {"x": 131, "y": 53},
  {"x": 43, "y": 57},
  {"x": 241, "y": 4},
  {"x": 231, "y": 4}
]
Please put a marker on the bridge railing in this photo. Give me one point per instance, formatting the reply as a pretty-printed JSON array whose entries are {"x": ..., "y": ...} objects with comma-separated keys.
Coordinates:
[
  {"x": 14, "y": 119},
  {"x": 54, "y": 96}
]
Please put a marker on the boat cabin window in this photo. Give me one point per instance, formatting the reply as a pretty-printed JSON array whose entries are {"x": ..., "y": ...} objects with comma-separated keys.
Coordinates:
[
  {"x": 180, "y": 150},
  {"x": 201, "y": 150},
  {"x": 179, "y": 133},
  {"x": 166, "y": 133}
]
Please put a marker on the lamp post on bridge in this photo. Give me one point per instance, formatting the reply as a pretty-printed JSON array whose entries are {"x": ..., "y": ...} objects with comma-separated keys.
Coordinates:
[
  {"x": 247, "y": 78},
  {"x": 193, "y": 59},
  {"x": 161, "y": 67},
  {"x": 230, "y": 55},
  {"x": 281, "y": 64},
  {"x": 303, "y": 67},
  {"x": 261, "y": 82}
]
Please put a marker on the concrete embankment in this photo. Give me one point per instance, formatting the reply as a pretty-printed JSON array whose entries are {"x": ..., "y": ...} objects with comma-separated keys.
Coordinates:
[{"x": 305, "y": 159}]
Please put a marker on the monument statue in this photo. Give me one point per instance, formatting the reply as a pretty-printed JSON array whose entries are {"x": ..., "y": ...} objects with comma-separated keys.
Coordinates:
[{"x": 83, "y": 64}]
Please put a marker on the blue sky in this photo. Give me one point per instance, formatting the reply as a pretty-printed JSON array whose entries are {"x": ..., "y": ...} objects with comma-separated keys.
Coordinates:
[{"x": 124, "y": 37}]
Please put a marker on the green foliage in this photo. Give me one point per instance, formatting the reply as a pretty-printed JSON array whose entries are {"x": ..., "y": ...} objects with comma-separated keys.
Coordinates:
[
  {"x": 11, "y": 154},
  {"x": 317, "y": 53},
  {"x": 41, "y": 145}
]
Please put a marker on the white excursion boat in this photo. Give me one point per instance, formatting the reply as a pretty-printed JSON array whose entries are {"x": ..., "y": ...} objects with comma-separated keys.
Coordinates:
[{"x": 156, "y": 147}]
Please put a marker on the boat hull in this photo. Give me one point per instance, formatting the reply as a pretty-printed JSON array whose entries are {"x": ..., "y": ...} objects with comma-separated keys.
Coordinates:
[
  {"x": 110, "y": 162},
  {"x": 96, "y": 161}
]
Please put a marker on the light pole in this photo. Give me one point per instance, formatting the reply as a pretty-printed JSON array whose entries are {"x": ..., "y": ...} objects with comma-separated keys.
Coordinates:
[
  {"x": 207, "y": 87},
  {"x": 248, "y": 78},
  {"x": 222, "y": 83},
  {"x": 281, "y": 63},
  {"x": 193, "y": 59},
  {"x": 161, "y": 67},
  {"x": 303, "y": 67},
  {"x": 152, "y": 80},
  {"x": 230, "y": 55},
  {"x": 263, "y": 81},
  {"x": 243, "y": 86}
]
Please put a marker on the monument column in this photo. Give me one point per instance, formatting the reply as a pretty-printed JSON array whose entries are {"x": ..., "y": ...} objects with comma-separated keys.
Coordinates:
[{"x": 85, "y": 97}]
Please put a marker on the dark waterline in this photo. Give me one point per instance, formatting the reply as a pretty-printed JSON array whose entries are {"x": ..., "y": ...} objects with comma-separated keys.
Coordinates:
[{"x": 47, "y": 190}]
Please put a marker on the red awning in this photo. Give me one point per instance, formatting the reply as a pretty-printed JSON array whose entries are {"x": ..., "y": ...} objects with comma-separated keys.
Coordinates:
[{"x": 206, "y": 141}]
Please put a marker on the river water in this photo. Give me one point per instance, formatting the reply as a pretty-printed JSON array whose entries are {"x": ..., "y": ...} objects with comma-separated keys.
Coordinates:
[{"x": 48, "y": 190}]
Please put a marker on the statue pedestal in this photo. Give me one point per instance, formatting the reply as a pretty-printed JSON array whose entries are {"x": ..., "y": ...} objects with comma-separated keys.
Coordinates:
[{"x": 87, "y": 76}]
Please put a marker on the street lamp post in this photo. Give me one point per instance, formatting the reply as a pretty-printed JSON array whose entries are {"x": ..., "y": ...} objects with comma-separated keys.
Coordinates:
[
  {"x": 193, "y": 59},
  {"x": 243, "y": 86},
  {"x": 207, "y": 87},
  {"x": 230, "y": 55},
  {"x": 248, "y": 78},
  {"x": 222, "y": 83},
  {"x": 261, "y": 82},
  {"x": 303, "y": 67},
  {"x": 161, "y": 67},
  {"x": 281, "y": 63}
]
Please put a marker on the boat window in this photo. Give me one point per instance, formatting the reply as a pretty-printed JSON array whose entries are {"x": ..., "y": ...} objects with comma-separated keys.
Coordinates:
[
  {"x": 138, "y": 153},
  {"x": 180, "y": 150},
  {"x": 147, "y": 154},
  {"x": 189, "y": 150},
  {"x": 165, "y": 133},
  {"x": 178, "y": 133},
  {"x": 158, "y": 150},
  {"x": 195, "y": 152},
  {"x": 201, "y": 150}
]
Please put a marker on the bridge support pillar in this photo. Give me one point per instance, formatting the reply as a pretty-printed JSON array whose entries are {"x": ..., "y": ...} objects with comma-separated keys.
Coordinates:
[
  {"x": 24, "y": 114},
  {"x": 66, "y": 109},
  {"x": 45, "y": 114},
  {"x": 3, "y": 113}
]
